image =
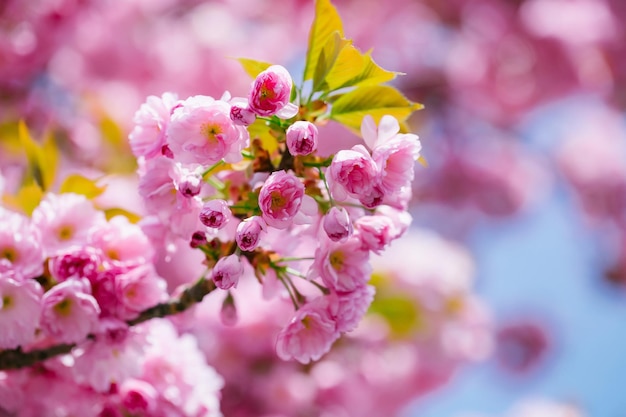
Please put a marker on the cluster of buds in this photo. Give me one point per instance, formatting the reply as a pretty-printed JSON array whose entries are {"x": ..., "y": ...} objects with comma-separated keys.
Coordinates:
[{"x": 242, "y": 181}]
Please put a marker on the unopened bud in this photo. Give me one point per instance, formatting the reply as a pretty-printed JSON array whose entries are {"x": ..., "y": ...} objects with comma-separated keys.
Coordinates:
[
  {"x": 228, "y": 313},
  {"x": 215, "y": 214},
  {"x": 227, "y": 271},
  {"x": 249, "y": 233},
  {"x": 198, "y": 239},
  {"x": 241, "y": 115},
  {"x": 337, "y": 224},
  {"x": 190, "y": 186},
  {"x": 302, "y": 138}
]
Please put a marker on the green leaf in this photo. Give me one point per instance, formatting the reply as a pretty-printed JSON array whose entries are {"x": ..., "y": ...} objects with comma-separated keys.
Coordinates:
[
  {"x": 253, "y": 67},
  {"x": 347, "y": 65},
  {"x": 28, "y": 197},
  {"x": 116, "y": 211},
  {"x": 328, "y": 56},
  {"x": 326, "y": 22},
  {"x": 370, "y": 74},
  {"x": 42, "y": 159},
  {"x": 76, "y": 183},
  {"x": 377, "y": 101}
]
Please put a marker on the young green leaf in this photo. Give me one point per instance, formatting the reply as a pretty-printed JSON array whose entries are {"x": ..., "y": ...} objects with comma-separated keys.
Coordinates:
[
  {"x": 370, "y": 74},
  {"x": 76, "y": 183},
  {"x": 328, "y": 56},
  {"x": 377, "y": 101},
  {"x": 326, "y": 22},
  {"x": 253, "y": 67},
  {"x": 42, "y": 159}
]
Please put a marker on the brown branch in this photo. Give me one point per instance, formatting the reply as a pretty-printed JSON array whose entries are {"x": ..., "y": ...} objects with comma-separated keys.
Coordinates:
[{"x": 17, "y": 359}]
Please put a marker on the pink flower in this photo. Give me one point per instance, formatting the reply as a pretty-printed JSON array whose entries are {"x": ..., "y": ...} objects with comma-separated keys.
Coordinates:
[
  {"x": 20, "y": 311},
  {"x": 65, "y": 220},
  {"x": 76, "y": 262},
  {"x": 375, "y": 232},
  {"x": 280, "y": 199},
  {"x": 21, "y": 253},
  {"x": 309, "y": 334},
  {"x": 114, "y": 356},
  {"x": 353, "y": 173},
  {"x": 201, "y": 131},
  {"x": 122, "y": 243},
  {"x": 342, "y": 266},
  {"x": 227, "y": 271},
  {"x": 228, "y": 312},
  {"x": 271, "y": 92},
  {"x": 249, "y": 233},
  {"x": 395, "y": 153},
  {"x": 241, "y": 114},
  {"x": 302, "y": 138},
  {"x": 70, "y": 312},
  {"x": 148, "y": 135},
  {"x": 337, "y": 224},
  {"x": 348, "y": 308},
  {"x": 138, "y": 289},
  {"x": 215, "y": 214},
  {"x": 138, "y": 397}
]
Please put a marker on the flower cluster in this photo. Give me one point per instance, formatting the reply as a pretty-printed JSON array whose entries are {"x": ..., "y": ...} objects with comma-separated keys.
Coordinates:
[{"x": 239, "y": 178}]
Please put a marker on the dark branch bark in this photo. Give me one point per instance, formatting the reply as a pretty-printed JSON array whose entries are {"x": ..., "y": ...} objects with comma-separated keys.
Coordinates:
[{"x": 16, "y": 358}]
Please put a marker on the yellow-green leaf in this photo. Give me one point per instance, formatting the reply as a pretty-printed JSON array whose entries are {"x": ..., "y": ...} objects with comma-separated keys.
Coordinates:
[
  {"x": 423, "y": 162},
  {"x": 371, "y": 74},
  {"x": 348, "y": 65},
  {"x": 48, "y": 160},
  {"x": 27, "y": 198},
  {"x": 259, "y": 130},
  {"x": 116, "y": 211},
  {"x": 253, "y": 67},
  {"x": 76, "y": 183},
  {"x": 42, "y": 159},
  {"x": 326, "y": 22},
  {"x": 328, "y": 56},
  {"x": 377, "y": 101}
]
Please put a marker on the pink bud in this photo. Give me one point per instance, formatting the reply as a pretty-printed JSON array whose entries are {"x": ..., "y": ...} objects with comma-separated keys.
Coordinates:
[
  {"x": 241, "y": 114},
  {"x": 271, "y": 91},
  {"x": 215, "y": 214},
  {"x": 228, "y": 314},
  {"x": 302, "y": 138},
  {"x": 249, "y": 233},
  {"x": 227, "y": 271},
  {"x": 337, "y": 224},
  {"x": 198, "y": 239},
  {"x": 190, "y": 185}
]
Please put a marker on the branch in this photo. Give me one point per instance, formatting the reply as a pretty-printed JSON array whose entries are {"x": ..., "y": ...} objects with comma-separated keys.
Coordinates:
[{"x": 17, "y": 359}]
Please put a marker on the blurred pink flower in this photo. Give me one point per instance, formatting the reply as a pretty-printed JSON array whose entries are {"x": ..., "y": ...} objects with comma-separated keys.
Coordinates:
[
  {"x": 122, "y": 243},
  {"x": 20, "y": 311},
  {"x": 138, "y": 289},
  {"x": 21, "y": 253},
  {"x": 75, "y": 262},
  {"x": 65, "y": 220},
  {"x": 70, "y": 312},
  {"x": 148, "y": 135}
]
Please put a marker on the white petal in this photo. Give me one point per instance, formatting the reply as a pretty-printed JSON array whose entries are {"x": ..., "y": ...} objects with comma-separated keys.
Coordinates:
[
  {"x": 368, "y": 131},
  {"x": 288, "y": 111}
]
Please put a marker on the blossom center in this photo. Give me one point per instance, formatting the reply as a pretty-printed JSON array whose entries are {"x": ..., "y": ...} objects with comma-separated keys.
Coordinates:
[
  {"x": 211, "y": 130},
  {"x": 337, "y": 259},
  {"x": 8, "y": 253},
  {"x": 278, "y": 200},
  {"x": 7, "y": 302},
  {"x": 65, "y": 232},
  {"x": 64, "y": 308}
]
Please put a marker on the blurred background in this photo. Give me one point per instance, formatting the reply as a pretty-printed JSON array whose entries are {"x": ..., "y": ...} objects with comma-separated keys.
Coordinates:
[{"x": 507, "y": 296}]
